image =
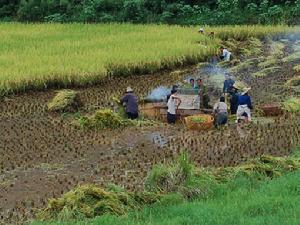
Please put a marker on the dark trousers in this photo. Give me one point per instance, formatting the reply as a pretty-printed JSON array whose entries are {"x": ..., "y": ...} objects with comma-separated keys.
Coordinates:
[
  {"x": 221, "y": 119},
  {"x": 132, "y": 116},
  {"x": 171, "y": 118}
]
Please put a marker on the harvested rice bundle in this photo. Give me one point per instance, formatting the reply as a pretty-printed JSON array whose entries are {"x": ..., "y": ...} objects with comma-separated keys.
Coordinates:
[
  {"x": 89, "y": 201},
  {"x": 64, "y": 100},
  {"x": 292, "y": 105}
]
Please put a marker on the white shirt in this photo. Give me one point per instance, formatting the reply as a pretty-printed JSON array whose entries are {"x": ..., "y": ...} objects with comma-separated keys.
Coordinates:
[
  {"x": 226, "y": 54},
  {"x": 220, "y": 107},
  {"x": 172, "y": 105}
]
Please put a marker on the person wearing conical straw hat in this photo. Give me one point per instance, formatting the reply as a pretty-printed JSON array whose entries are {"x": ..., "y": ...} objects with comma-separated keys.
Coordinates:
[
  {"x": 244, "y": 105},
  {"x": 131, "y": 101},
  {"x": 201, "y": 30}
]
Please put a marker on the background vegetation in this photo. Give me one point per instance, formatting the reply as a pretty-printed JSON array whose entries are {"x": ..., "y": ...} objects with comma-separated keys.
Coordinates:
[{"x": 153, "y": 11}]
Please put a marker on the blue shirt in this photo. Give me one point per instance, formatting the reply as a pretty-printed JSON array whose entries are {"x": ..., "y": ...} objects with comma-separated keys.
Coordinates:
[
  {"x": 228, "y": 85},
  {"x": 131, "y": 102},
  {"x": 245, "y": 100}
]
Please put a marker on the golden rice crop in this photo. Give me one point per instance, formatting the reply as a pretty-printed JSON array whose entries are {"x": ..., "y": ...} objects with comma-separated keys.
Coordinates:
[{"x": 43, "y": 55}]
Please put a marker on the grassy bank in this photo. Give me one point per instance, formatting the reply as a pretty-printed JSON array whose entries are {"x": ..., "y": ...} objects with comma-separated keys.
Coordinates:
[
  {"x": 239, "y": 202},
  {"x": 180, "y": 193},
  {"x": 41, "y": 55}
]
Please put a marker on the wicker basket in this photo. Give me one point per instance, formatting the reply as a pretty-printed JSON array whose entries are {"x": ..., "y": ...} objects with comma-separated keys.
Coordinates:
[
  {"x": 209, "y": 121},
  {"x": 273, "y": 109}
]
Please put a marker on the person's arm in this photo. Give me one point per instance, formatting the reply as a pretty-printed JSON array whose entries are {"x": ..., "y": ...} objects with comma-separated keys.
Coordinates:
[
  {"x": 124, "y": 99},
  {"x": 215, "y": 109},
  {"x": 250, "y": 103},
  {"x": 179, "y": 100}
]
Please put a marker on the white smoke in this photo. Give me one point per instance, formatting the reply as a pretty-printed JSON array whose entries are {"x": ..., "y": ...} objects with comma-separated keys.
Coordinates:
[{"x": 159, "y": 93}]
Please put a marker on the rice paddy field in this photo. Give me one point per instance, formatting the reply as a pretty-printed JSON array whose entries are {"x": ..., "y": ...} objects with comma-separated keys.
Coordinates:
[
  {"x": 46, "y": 150},
  {"x": 37, "y": 56}
]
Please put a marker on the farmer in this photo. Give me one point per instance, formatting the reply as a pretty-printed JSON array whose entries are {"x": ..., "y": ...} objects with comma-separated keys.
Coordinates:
[
  {"x": 244, "y": 106},
  {"x": 192, "y": 82},
  {"x": 172, "y": 106},
  {"x": 228, "y": 83},
  {"x": 202, "y": 91},
  {"x": 220, "y": 112},
  {"x": 174, "y": 87},
  {"x": 234, "y": 97},
  {"x": 225, "y": 54},
  {"x": 131, "y": 101},
  {"x": 201, "y": 30}
]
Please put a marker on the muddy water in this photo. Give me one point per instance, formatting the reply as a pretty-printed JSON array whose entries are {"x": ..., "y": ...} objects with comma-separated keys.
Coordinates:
[{"x": 43, "y": 156}]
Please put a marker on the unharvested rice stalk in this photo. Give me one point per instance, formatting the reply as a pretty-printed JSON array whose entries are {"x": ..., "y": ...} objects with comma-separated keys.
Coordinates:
[
  {"x": 297, "y": 68},
  {"x": 243, "y": 65},
  {"x": 270, "y": 61},
  {"x": 253, "y": 47},
  {"x": 63, "y": 55},
  {"x": 265, "y": 72},
  {"x": 63, "y": 100},
  {"x": 276, "y": 49},
  {"x": 292, "y": 58},
  {"x": 293, "y": 82}
]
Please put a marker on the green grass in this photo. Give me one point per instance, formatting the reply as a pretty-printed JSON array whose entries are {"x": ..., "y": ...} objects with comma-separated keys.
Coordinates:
[
  {"x": 43, "y": 55},
  {"x": 241, "y": 201}
]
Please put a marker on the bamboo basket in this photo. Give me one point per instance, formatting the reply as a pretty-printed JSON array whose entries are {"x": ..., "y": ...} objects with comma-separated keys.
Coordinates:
[
  {"x": 209, "y": 121},
  {"x": 272, "y": 109}
]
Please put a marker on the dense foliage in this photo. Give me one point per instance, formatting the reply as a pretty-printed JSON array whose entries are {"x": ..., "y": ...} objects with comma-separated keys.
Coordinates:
[{"x": 153, "y": 11}]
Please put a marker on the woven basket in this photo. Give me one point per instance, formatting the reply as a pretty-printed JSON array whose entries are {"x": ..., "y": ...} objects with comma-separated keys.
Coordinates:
[
  {"x": 209, "y": 121},
  {"x": 273, "y": 109}
]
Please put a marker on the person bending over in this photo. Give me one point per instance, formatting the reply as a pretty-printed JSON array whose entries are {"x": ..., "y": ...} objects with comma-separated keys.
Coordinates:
[{"x": 131, "y": 101}]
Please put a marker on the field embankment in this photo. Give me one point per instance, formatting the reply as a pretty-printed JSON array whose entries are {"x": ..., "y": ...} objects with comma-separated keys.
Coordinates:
[
  {"x": 39, "y": 56},
  {"x": 251, "y": 196}
]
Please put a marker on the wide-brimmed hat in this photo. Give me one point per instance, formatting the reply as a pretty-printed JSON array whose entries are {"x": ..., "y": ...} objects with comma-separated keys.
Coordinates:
[
  {"x": 235, "y": 86},
  {"x": 129, "y": 89},
  {"x": 201, "y": 29},
  {"x": 245, "y": 90}
]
